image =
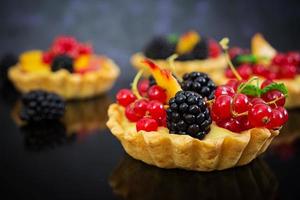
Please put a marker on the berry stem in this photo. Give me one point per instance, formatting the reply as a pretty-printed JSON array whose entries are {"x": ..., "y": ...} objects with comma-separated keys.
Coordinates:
[
  {"x": 135, "y": 83},
  {"x": 171, "y": 60},
  {"x": 275, "y": 100},
  {"x": 242, "y": 86},
  {"x": 224, "y": 44}
]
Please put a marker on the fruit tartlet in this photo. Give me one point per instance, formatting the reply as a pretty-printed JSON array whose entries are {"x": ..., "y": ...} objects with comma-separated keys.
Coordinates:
[
  {"x": 266, "y": 63},
  {"x": 195, "y": 53},
  {"x": 69, "y": 68},
  {"x": 173, "y": 125}
]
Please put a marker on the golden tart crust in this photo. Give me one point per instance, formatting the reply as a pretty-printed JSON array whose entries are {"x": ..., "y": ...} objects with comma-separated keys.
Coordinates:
[
  {"x": 221, "y": 149},
  {"x": 293, "y": 86},
  {"x": 209, "y": 65},
  {"x": 68, "y": 85}
]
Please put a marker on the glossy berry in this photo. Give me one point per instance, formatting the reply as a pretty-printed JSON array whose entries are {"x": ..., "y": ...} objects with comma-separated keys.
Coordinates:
[
  {"x": 260, "y": 70},
  {"x": 62, "y": 62},
  {"x": 224, "y": 90},
  {"x": 287, "y": 71},
  {"x": 131, "y": 114},
  {"x": 146, "y": 124},
  {"x": 143, "y": 87},
  {"x": 156, "y": 110},
  {"x": 257, "y": 100},
  {"x": 221, "y": 106},
  {"x": 284, "y": 113},
  {"x": 260, "y": 115},
  {"x": 200, "y": 83},
  {"x": 245, "y": 71},
  {"x": 265, "y": 83},
  {"x": 277, "y": 119},
  {"x": 140, "y": 107},
  {"x": 155, "y": 92},
  {"x": 214, "y": 49},
  {"x": 40, "y": 105},
  {"x": 231, "y": 124},
  {"x": 274, "y": 95},
  {"x": 125, "y": 97},
  {"x": 240, "y": 103}
]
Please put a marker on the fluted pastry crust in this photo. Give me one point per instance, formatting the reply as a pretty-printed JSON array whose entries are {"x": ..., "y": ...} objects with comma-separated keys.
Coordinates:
[
  {"x": 209, "y": 65},
  {"x": 221, "y": 149},
  {"x": 68, "y": 85}
]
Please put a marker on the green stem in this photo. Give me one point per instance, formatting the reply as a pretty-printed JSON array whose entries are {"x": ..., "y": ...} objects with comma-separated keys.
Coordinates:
[{"x": 135, "y": 83}]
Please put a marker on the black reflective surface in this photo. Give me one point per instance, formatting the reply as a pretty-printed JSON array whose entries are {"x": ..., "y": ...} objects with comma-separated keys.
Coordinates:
[{"x": 81, "y": 159}]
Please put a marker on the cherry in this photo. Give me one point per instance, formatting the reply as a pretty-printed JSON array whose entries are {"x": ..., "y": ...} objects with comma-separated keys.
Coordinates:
[
  {"x": 140, "y": 107},
  {"x": 240, "y": 103},
  {"x": 156, "y": 109},
  {"x": 130, "y": 114},
  {"x": 260, "y": 115},
  {"x": 273, "y": 95},
  {"x": 155, "y": 92},
  {"x": 245, "y": 71},
  {"x": 146, "y": 124},
  {"x": 265, "y": 83},
  {"x": 221, "y": 107},
  {"x": 224, "y": 90},
  {"x": 143, "y": 87},
  {"x": 125, "y": 97},
  {"x": 231, "y": 124}
]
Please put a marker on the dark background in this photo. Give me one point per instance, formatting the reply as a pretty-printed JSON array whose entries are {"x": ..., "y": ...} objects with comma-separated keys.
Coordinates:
[{"x": 80, "y": 168}]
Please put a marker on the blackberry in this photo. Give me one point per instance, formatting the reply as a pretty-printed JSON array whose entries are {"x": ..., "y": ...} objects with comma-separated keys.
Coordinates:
[
  {"x": 7, "y": 61},
  {"x": 200, "y": 51},
  {"x": 159, "y": 48},
  {"x": 39, "y": 106},
  {"x": 62, "y": 62},
  {"x": 188, "y": 114},
  {"x": 200, "y": 83}
]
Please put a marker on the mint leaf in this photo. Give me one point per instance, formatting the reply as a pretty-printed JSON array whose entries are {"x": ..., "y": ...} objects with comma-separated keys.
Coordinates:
[
  {"x": 275, "y": 86},
  {"x": 173, "y": 38},
  {"x": 250, "y": 90}
]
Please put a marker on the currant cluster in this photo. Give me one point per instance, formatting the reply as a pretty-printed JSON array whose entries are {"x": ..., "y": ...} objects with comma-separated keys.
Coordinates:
[
  {"x": 148, "y": 112},
  {"x": 282, "y": 66},
  {"x": 237, "y": 112}
]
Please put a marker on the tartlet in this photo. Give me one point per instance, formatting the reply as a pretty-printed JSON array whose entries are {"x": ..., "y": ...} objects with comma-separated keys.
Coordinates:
[
  {"x": 266, "y": 63},
  {"x": 69, "y": 69},
  {"x": 172, "y": 128},
  {"x": 195, "y": 53}
]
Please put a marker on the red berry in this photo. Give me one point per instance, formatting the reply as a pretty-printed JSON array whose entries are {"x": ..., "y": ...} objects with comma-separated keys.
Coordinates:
[
  {"x": 240, "y": 103},
  {"x": 279, "y": 59},
  {"x": 271, "y": 75},
  {"x": 84, "y": 49},
  {"x": 233, "y": 83},
  {"x": 214, "y": 49},
  {"x": 156, "y": 109},
  {"x": 274, "y": 95},
  {"x": 162, "y": 121},
  {"x": 155, "y": 92},
  {"x": 231, "y": 124},
  {"x": 229, "y": 73},
  {"x": 146, "y": 124},
  {"x": 140, "y": 107},
  {"x": 244, "y": 123},
  {"x": 277, "y": 119},
  {"x": 221, "y": 106},
  {"x": 260, "y": 70},
  {"x": 130, "y": 114},
  {"x": 284, "y": 113},
  {"x": 143, "y": 87},
  {"x": 235, "y": 51},
  {"x": 287, "y": 71},
  {"x": 245, "y": 71},
  {"x": 265, "y": 83},
  {"x": 224, "y": 90},
  {"x": 257, "y": 100},
  {"x": 293, "y": 57},
  {"x": 125, "y": 97},
  {"x": 260, "y": 115},
  {"x": 47, "y": 57}
]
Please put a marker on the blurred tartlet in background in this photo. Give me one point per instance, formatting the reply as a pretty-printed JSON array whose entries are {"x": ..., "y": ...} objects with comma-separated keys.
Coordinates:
[
  {"x": 195, "y": 53},
  {"x": 133, "y": 179},
  {"x": 69, "y": 68}
]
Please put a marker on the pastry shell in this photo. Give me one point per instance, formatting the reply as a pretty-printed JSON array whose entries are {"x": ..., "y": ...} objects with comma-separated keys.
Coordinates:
[
  {"x": 68, "y": 85},
  {"x": 209, "y": 65},
  {"x": 166, "y": 150}
]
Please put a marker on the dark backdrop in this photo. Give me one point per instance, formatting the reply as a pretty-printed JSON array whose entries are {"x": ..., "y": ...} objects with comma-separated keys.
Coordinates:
[{"x": 80, "y": 170}]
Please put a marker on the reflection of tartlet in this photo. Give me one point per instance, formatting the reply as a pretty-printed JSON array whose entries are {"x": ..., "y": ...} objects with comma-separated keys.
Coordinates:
[
  {"x": 266, "y": 63},
  {"x": 196, "y": 53},
  {"x": 134, "y": 180},
  {"x": 188, "y": 131},
  {"x": 69, "y": 69}
]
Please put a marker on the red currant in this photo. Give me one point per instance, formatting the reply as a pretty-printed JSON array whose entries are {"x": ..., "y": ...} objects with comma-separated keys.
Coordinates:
[
  {"x": 260, "y": 70},
  {"x": 265, "y": 83},
  {"x": 125, "y": 97},
  {"x": 235, "y": 51},
  {"x": 156, "y": 109},
  {"x": 244, "y": 123},
  {"x": 233, "y": 83},
  {"x": 240, "y": 103},
  {"x": 221, "y": 106},
  {"x": 279, "y": 59},
  {"x": 229, "y": 73},
  {"x": 143, "y": 87},
  {"x": 213, "y": 49},
  {"x": 274, "y": 95},
  {"x": 231, "y": 124},
  {"x": 287, "y": 71},
  {"x": 162, "y": 121},
  {"x": 284, "y": 113},
  {"x": 224, "y": 90},
  {"x": 130, "y": 114},
  {"x": 140, "y": 107},
  {"x": 277, "y": 119},
  {"x": 257, "y": 100},
  {"x": 155, "y": 92},
  {"x": 146, "y": 124},
  {"x": 259, "y": 115},
  {"x": 245, "y": 71}
]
